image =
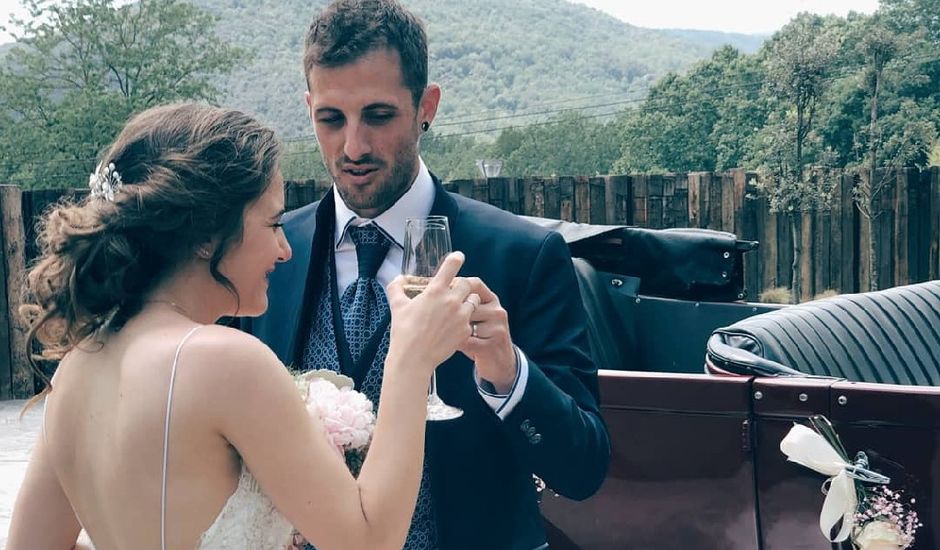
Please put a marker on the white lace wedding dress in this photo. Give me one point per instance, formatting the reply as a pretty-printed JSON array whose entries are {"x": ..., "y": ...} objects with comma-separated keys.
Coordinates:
[{"x": 248, "y": 521}]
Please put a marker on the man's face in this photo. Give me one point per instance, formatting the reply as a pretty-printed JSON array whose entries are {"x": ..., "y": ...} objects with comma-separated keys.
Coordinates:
[{"x": 368, "y": 128}]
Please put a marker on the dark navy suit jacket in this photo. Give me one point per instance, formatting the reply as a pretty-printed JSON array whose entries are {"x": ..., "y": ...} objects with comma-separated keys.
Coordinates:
[{"x": 481, "y": 467}]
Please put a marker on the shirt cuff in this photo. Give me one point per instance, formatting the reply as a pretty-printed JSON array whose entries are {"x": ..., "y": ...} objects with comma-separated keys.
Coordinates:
[{"x": 502, "y": 405}]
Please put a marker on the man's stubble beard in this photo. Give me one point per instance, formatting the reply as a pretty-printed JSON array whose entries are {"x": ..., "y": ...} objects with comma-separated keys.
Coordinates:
[{"x": 386, "y": 193}]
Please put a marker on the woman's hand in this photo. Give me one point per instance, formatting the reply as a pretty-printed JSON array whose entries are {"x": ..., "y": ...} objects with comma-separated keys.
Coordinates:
[{"x": 429, "y": 328}]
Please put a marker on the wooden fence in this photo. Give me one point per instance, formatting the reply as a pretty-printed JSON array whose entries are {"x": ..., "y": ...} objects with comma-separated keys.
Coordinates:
[{"x": 835, "y": 241}]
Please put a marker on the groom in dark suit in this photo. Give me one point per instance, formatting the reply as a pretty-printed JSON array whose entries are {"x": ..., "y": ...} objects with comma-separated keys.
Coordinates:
[{"x": 524, "y": 380}]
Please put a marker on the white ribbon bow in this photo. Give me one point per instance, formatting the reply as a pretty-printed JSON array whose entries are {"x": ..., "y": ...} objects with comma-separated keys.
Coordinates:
[{"x": 806, "y": 447}]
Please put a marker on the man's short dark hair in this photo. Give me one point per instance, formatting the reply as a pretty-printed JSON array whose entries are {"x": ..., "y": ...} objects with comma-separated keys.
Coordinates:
[{"x": 349, "y": 29}]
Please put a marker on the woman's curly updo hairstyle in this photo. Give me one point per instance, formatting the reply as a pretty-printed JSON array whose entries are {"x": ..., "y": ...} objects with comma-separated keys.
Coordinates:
[{"x": 189, "y": 171}]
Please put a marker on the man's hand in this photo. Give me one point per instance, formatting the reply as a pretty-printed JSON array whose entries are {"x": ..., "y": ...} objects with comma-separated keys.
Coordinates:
[{"x": 490, "y": 344}]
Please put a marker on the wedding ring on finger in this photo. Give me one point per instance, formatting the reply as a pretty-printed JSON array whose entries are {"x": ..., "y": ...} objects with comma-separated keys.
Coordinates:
[
  {"x": 473, "y": 299},
  {"x": 473, "y": 329}
]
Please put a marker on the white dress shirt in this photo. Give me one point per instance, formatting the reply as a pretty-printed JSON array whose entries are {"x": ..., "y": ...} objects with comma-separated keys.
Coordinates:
[{"x": 415, "y": 203}]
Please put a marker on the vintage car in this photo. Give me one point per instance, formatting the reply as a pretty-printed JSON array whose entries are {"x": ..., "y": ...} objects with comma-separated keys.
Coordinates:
[{"x": 698, "y": 388}]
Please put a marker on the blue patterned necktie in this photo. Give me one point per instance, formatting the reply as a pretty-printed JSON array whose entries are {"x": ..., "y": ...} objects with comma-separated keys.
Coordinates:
[
  {"x": 364, "y": 304},
  {"x": 364, "y": 307}
]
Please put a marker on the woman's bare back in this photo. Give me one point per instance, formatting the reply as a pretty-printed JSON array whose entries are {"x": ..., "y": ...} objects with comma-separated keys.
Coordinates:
[{"x": 105, "y": 430}]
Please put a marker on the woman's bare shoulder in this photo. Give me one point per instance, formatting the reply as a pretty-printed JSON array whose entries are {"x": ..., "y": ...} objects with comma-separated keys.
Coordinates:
[
  {"x": 232, "y": 361},
  {"x": 227, "y": 348}
]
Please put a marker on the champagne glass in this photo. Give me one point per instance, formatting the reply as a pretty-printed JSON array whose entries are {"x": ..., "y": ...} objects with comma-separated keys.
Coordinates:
[{"x": 427, "y": 243}]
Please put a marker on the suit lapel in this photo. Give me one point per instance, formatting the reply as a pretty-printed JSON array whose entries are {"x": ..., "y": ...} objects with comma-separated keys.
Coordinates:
[{"x": 445, "y": 205}]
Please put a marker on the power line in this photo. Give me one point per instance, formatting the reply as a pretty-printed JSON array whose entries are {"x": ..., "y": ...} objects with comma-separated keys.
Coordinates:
[
  {"x": 727, "y": 92},
  {"x": 843, "y": 72},
  {"x": 460, "y": 119}
]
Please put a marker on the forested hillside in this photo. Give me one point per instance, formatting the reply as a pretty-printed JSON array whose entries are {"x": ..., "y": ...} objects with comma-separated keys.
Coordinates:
[{"x": 492, "y": 57}]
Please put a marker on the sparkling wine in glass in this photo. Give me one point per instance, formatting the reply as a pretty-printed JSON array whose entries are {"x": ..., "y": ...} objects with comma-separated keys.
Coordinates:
[{"x": 427, "y": 243}]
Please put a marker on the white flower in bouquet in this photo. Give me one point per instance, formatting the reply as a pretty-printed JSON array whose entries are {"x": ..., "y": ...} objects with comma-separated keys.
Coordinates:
[
  {"x": 880, "y": 535},
  {"x": 885, "y": 521}
]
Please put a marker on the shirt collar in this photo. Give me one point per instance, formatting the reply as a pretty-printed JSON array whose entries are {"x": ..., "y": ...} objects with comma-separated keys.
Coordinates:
[{"x": 415, "y": 203}]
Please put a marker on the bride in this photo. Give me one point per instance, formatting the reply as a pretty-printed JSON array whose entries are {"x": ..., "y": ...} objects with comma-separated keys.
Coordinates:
[{"x": 164, "y": 430}]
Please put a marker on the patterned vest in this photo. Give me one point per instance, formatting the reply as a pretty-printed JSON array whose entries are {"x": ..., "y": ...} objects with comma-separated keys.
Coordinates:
[{"x": 321, "y": 352}]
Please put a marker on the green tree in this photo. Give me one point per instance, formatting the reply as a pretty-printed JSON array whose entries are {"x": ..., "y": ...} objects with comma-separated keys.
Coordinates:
[
  {"x": 80, "y": 68},
  {"x": 899, "y": 131},
  {"x": 302, "y": 161},
  {"x": 452, "y": 157},
  {"x": 799, "y": 61},
  {"x": 570, "y": 144},
  {"x": 702, "y": 120}
]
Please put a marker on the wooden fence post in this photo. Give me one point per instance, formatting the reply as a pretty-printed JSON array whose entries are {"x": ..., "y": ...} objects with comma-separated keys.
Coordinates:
[
  {"x": 695, "y": 199},
  {"x": 598, "y": 196},
  {"x": 822, "y": 257},
  {"x": 669, "y": 201},
  {"x": 887, "y": 243},
  {"x": 902, "y": 225},
  {"x": 481, "y": 190},
  {"x": 464, "y": 188},
  {"x": 302, "y": 193},
  {"x": 934, "y": 230},
  {"x": 654, "y": 202},
  {"x": 728, "y": 198},
  {"x": 714, "y": 192},
  {"x": 515, "y": 196},
  {"x": 806, "y": 255},
  {"x": 566, "y": 198},
  {"x": 680, "y": 201},
  {"x": 617, "y": 200},
  {"x": 769, "y": 245},
  {"x": 582, "y": 200},
  {"x": 750, "y": 229},
  {"x": 16, "y": 378},
  {"x": 920, "y": 248},
  {"x": 835, "y": 227},
  {"x": 534, "y": 192},
  {"x": 552, "y": 202},
  {"x": 640, "y": 214},
  {"x": 497, "y": 194},
  {"x": 739, "y": 177}
]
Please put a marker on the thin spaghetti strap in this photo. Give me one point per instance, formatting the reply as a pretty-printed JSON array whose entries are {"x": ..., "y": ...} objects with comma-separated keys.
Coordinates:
[
  {"x": 45, "y": 407},
  {"x": 166, "y": 437}
]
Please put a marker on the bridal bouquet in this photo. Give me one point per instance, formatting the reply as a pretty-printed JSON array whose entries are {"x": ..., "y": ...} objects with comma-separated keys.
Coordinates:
[
  {"x": 346, "y": 414},
  {"x": 347, "y": 417},
  {"x": 885, "y": 522},
  {"x": 874, "y": 518}
]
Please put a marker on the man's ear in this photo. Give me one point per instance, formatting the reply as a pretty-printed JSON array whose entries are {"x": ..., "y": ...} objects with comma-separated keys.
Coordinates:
[{"x": 427, "y": 107}]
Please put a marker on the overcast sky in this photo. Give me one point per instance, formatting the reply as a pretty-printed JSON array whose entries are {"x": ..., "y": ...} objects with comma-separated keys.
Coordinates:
[{"x": 747, "y": 16}]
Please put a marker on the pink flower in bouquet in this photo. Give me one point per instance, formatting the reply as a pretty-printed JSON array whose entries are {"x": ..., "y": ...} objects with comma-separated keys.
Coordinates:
[
  {"x": 885, "y": 522},
  {"x": 345, "y": 413},
  {"x": 347, "y": 417}
]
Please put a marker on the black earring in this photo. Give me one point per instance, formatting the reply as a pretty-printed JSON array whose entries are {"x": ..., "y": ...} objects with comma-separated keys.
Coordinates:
[{"x": 425, "y": 126}]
